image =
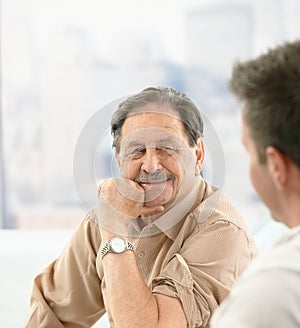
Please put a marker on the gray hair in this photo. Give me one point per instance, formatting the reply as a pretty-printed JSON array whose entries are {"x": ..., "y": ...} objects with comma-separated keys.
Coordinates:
[{"x": 178, "y": 101}]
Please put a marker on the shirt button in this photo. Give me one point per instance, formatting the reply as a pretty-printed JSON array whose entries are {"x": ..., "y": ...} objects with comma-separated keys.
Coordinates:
[{"x": 141, "y": 255}]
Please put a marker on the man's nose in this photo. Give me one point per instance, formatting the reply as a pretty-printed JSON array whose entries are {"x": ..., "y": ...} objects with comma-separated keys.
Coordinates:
[{"x": 151, "y": 161}]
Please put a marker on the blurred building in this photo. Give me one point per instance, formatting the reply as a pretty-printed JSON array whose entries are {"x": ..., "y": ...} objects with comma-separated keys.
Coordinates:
[
  {"x": 217, "y": 34},
  {"x": 62, "y": 63}
]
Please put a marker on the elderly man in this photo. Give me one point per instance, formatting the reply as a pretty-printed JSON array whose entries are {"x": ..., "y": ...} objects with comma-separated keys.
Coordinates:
[
  {"x": 268, "y": 295},
  {"x": 163, "y": 247}
]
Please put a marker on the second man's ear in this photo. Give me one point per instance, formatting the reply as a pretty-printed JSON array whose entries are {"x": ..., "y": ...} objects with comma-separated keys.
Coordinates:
[
  {"x": 117, "y": 157},
  {"x": 277, "y": 164},
  {"x": 200, "y": 156}
]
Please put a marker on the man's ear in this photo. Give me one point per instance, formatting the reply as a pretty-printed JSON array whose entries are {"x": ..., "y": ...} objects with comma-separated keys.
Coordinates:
[
  {"x": 199, "y": 148},
  {"x": 117, "y": 158},
  {"x": 277, "y": 164}
]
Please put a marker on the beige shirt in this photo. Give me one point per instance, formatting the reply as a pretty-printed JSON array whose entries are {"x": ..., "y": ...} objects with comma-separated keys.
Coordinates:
[
  {"x": 268, "y": 293},
  {"x": 197, "y": 261}
]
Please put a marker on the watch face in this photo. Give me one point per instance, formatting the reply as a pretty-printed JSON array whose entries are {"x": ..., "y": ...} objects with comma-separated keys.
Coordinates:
[{"x": 117, "y": 244}]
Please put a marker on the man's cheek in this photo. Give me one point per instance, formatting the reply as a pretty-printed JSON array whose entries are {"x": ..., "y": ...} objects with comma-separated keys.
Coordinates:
[{"x": 128, "y": 171}]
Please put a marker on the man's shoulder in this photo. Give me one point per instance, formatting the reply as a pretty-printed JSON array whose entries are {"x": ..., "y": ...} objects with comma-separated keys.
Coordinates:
[
  {"x": 282, "y": 260},
  {"x": 88, "y": 227},
  {"x": 89, "y": 218},
  {"x": 274, "y": 290},
  {"x": 215, "y": 206},
  {"x": 215, "y": 218},
  {"x": 271, "y": 274},
  {"x": 271, "y": 280}
]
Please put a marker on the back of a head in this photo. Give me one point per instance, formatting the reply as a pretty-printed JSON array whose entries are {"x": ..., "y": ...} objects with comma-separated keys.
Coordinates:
[{"x": 269, "y": 87}]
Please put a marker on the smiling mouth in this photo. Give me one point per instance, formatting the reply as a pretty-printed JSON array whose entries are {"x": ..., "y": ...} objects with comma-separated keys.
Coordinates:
[{"x": 152, "y": 182}]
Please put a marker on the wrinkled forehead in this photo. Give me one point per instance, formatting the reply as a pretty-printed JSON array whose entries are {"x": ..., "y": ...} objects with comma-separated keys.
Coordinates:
[
  {"x": 152, "y": 115},
  {"x": 151, "y": 128},
  {"x": 152, "y": 137}
]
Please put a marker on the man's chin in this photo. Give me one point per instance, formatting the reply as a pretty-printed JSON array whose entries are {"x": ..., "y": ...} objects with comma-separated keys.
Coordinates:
[
  {"x": 156, "y": 203},
  {"x": 275, "y": 217},
  {"x": 157, "y": 196}
]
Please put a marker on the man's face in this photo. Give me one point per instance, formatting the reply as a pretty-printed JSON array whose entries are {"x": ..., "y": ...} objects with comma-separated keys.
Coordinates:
[
  {"x": 259, "y": 173},
  {"x": 155, "y": 152}
]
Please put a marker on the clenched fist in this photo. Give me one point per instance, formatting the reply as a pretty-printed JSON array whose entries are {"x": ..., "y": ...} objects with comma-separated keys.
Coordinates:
[{"x": 121, "y": 200}]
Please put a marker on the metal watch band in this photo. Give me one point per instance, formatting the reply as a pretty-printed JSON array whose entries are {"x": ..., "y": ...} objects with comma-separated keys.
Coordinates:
[{"x": 107, "y": 248}]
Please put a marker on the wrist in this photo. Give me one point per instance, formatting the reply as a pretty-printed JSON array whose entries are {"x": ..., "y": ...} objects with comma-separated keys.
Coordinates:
[{"x": 116, "y": 245}]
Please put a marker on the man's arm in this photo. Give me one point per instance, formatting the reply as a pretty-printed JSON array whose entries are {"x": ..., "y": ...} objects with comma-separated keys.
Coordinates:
[
  {"x": 131, "y": 301},
  {"x": 59, "y": 297}
]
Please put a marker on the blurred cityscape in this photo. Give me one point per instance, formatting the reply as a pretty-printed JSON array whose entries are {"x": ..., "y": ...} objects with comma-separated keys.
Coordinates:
[{"x": 63, "y": 61}]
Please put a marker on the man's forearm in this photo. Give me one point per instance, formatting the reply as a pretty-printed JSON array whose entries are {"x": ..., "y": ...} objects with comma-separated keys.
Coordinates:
[{"x": 131, "y": 302}]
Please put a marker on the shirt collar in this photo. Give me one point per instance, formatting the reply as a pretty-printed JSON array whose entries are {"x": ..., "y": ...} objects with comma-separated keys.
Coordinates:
[
  {"x": 171, "y": 221},
  {"x": 289, "y": 235}
]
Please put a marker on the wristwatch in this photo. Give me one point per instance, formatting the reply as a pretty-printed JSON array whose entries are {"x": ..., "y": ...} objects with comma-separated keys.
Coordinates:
[{"x": 116, "y": 245}]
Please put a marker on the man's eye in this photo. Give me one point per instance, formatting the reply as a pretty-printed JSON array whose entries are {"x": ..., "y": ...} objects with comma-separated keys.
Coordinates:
[
  {"x": 167, "y": 148},
  {"x": 138, "y": 150}
]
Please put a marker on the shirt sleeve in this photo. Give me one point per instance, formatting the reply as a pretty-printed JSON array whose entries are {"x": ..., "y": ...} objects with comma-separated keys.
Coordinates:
[
  {"x": 205, "y": 269},
  {"x": 68, "y": 292}
]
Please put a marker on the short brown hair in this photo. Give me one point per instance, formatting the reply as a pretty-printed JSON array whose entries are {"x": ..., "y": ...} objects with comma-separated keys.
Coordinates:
[{"x": 270, "y": 88}]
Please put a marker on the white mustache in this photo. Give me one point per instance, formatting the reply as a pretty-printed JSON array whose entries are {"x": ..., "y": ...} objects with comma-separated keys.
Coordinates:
[{"x": 153, "y": 177}]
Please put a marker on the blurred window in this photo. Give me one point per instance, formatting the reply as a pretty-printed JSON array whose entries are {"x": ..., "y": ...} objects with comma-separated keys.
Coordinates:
[{"x": 62, "y": 61}]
